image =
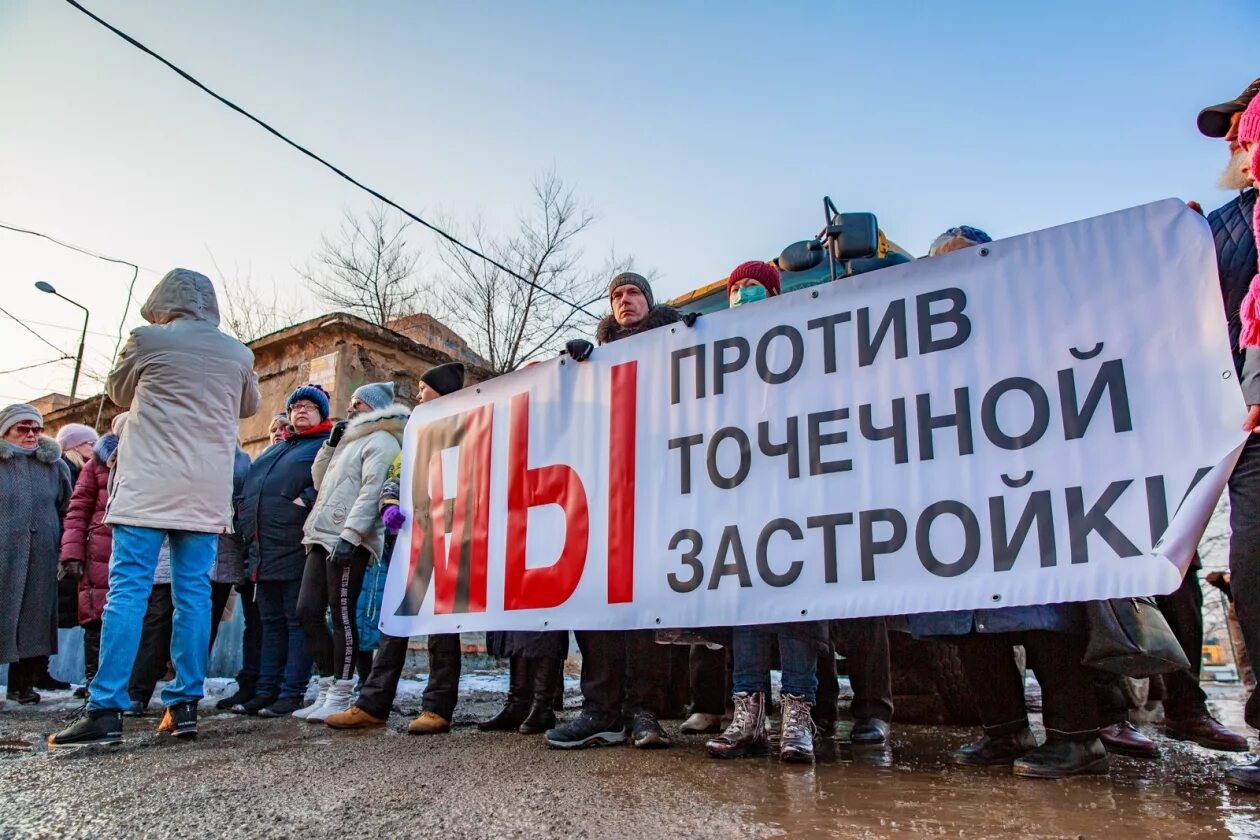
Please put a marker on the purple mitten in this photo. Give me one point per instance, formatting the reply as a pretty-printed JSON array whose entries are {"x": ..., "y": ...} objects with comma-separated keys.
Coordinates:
[{"x": 394, "y": 518}]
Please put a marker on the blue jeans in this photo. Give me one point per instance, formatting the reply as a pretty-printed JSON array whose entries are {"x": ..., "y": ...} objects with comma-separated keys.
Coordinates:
[
  {"x": 752, "y": 650},
  {"x": 286, "y": 662},
  {"x": 131, "y": 570}
]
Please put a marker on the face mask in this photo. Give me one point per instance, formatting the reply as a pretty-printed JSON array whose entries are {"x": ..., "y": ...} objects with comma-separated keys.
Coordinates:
[{"x": 748, "y": 294}]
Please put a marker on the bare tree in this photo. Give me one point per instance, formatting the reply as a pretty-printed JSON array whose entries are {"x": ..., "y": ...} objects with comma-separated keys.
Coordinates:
[
  {"x": 248, "y": 312},
  {"x": 510, "y": 322},
  {"x": 368, "y": 268}
]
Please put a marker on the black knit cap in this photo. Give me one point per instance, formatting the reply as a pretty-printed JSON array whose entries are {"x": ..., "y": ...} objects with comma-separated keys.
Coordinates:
[
  {"x": 444, "y": 379},
  {"x": 629, "y": 278}
]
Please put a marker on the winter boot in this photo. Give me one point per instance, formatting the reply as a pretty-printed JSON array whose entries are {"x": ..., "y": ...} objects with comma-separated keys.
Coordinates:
[
  {"x": 245, "y": 692},
  {"x": 796, "y": 741},
  {"x": 180, "y": 720},
  {"x": 589, "y": 729},
  {"x": 747, "y": 733},
  {"x": 646, "y": 732},
  {"x": 103, "y": 726},
  {"x": 546, "y": 673},
  {"x": 338, "y": 701},
  {"x": 429, "y": 723},
  {"x": 255, "y": 705},
  {"x": 516, "y": 707},
  {"x": 353, "y": 718},
  {"x": 23, "y": 696},
  {"x": 1058, "y": 758},
  {"x": 995, "y": 750},
  {"x": 325, "y": 683},
  {"x": 282, "y": 707}
]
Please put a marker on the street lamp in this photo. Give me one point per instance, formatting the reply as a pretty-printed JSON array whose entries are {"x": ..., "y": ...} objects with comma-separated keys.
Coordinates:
[{"x": 47, "y": 288}]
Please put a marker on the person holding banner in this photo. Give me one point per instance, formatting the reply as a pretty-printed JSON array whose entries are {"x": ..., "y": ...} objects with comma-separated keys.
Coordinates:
[
  {"x": 376, "y": 695},
  {"x": 344, "y": 535},
  {"x": 623, "y": 671},
  {"x": 801, "y": 644}
]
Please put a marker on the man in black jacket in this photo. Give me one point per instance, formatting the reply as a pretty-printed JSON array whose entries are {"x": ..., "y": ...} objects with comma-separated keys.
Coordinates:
[{"x": 624, "y": 672}]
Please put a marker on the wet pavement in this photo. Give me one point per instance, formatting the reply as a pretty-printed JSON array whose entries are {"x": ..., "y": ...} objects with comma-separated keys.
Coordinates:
[{"x": 285, "y": 778}]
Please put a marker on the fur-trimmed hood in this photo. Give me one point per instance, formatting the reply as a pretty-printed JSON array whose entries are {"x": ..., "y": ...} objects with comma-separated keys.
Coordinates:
[
  {"x": 609, "y": 330},
  {"x": 392, "y": 419},
  {"x": 47, "y": 450},
  {"x": 104, "y": 449}
]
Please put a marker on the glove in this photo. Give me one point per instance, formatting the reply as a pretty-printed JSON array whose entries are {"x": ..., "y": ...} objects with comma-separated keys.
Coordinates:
[
  {"x": 70, "y": 568},
  {"x": 394, "y": 518},
  {"x": 689, "y": 318},
  {"x": 338, "y": 429},
  {"x": 579, "y": 348},
  {"x": 343, "y": 554}
]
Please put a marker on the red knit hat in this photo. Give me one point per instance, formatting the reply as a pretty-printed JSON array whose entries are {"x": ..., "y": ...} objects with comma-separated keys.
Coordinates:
[{"x": 763, "y": 272}]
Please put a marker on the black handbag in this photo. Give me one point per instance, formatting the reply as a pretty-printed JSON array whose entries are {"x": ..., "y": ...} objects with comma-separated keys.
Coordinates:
[{"x": 1131, "y": 637}]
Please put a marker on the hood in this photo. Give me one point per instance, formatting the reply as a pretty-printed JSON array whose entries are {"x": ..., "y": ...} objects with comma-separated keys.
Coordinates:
[
  {"x": 47, "y": 450},
  {"x": 105, "y": 447},
  {"x": 658, "y": 316},
  {"x": 392, "y": 419},
  {"x": 182, "y": 295}
]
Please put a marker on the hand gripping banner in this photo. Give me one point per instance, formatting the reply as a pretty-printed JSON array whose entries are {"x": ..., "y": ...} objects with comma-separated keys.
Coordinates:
[{"x": 1046, "y": 418}]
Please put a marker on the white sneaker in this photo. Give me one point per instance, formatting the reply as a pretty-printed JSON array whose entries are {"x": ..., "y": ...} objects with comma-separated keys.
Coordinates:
[
  {"x": 338, "y": 701},
  {"x": 325, "y": 683},
  {"x": 701, "y": 724}
]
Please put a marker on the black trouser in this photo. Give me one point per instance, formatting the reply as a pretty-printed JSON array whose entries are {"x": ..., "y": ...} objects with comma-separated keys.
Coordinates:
[
  {"x": 623, "y": 672},
  {"x": 155, "y": 645},
  {"x": 864, "y": 644},
  {"x": 678, "y": 688},
  {"x": 251, "y": 637},
  {"x": 1244, "y": 558},
  {"x": 325, "y": 588},
  {"x": 22, "y": 674},
  {"x": 376, "y": 697},
  {"x": 710, "y": 679},
  {"x": 441, "y": 692},
  {"x": 1183, "y": 697},
  {"x": 91, "y": 650},
  {"x": 1070, "y": 711}
]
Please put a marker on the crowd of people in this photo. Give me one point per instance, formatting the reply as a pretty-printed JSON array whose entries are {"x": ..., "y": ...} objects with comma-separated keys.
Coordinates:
[{"x": 148, "y": 530}]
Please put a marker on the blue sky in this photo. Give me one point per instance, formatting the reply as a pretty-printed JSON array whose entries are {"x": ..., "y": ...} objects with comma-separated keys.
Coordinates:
[{"x": 702, "y": 134}]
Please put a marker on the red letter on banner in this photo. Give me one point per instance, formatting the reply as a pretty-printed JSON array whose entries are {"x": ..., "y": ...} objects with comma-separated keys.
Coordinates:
[
  {"x": 556, "y": 484},
  {"x": 621, "y": 472}
]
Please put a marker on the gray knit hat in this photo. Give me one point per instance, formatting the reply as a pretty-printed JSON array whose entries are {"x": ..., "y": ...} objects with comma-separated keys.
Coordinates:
[
  {"x": 11, "y": 415},
  {"x": 377, "y": 395},
  {"x": 629, "y": 278}
]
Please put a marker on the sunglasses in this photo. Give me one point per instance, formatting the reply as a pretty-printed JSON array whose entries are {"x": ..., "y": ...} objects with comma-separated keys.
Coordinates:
[{"x": 29, "y": 430}]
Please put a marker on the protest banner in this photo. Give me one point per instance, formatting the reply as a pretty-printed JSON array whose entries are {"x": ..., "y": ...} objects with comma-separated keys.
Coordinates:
[{"x": 1046, "y": 418}]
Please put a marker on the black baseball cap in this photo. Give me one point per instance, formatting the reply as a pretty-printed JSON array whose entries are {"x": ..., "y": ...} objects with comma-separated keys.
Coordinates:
[{"x": 1214, "y": 119}]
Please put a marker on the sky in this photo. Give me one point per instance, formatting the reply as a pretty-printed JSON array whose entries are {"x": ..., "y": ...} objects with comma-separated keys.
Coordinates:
[{"x": 700, "y": 134}]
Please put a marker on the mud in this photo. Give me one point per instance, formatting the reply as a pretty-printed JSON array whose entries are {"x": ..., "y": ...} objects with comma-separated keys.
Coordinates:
[{"x": 250, "y": 777}]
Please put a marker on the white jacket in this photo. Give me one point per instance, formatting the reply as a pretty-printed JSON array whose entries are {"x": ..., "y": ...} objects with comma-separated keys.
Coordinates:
[
  {"x": 187, "y": 386},
  {"x": 348, "y": 480}
]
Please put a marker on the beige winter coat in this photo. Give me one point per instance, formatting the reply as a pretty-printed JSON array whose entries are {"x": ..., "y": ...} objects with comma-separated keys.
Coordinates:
[
  {"x": 349, "y": 479},
  {"x": 187, "y": 385}
]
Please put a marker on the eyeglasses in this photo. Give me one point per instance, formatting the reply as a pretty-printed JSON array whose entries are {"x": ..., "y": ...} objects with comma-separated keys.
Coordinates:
[
  {"x": 302, "y": 405},
  {"x": 29, "y": 430}
]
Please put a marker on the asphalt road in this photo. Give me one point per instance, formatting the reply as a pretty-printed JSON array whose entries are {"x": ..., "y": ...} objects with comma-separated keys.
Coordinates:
[{"x": 246, "y": 777}]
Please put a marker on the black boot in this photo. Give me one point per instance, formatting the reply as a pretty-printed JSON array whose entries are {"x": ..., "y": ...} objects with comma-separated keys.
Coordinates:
[
  {"x": 1056, "y": 759},
  {"x": 996, "y": 750},
  {"x": 98, "y": 727},
  {"x": 246, "y": 690},
  {"x": 547, "y": 673},
  {"x": 1245, "y": 776},
  {"x": 45, "y": 681},
  {"x": 516, "y": 707}
]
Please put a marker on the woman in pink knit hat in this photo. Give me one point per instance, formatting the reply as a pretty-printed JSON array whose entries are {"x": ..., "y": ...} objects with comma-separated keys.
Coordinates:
[{"x": 1249, "y": 140}]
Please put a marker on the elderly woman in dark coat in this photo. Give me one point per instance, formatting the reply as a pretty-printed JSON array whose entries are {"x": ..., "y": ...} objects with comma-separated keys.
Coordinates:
[{"x": 34, "y": 492}]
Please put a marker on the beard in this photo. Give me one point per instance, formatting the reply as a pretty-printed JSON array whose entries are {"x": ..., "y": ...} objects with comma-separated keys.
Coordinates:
[{"x": 1233, "y": 178}]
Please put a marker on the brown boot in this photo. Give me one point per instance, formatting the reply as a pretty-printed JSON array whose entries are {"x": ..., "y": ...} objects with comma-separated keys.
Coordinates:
[
  {"x": 796, "y": 742},
  {"x": 1206, "y": 731},
  {"x": 352, "y": 718},
  {"x": 429, "y": 723},
  {"x": 746, "y": 735}
]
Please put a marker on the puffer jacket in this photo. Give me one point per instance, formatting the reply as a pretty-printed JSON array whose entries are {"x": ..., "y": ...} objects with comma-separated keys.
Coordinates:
[
  {"x": 187, "y": 385},
  {"x": 229, "y": 564},
  {"x": 86, "y": 538},
  {"x": 279, "y": 494},
  {"x": 349, "y": 479},
  {"x": 1235, "y": 260}
]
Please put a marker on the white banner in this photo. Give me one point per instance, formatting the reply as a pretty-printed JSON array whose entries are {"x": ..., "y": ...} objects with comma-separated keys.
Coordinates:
[{"x": 1011, "y": 424}]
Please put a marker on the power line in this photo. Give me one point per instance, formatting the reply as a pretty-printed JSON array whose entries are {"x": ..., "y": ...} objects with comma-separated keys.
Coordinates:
[
  {"x": 71, "y": 247},
  {"x": 23, "y": 325},
  {"x": 36, "y": 365},
  {"x": 238, "y": 109},
  {"x": 60, "y": 327}
]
